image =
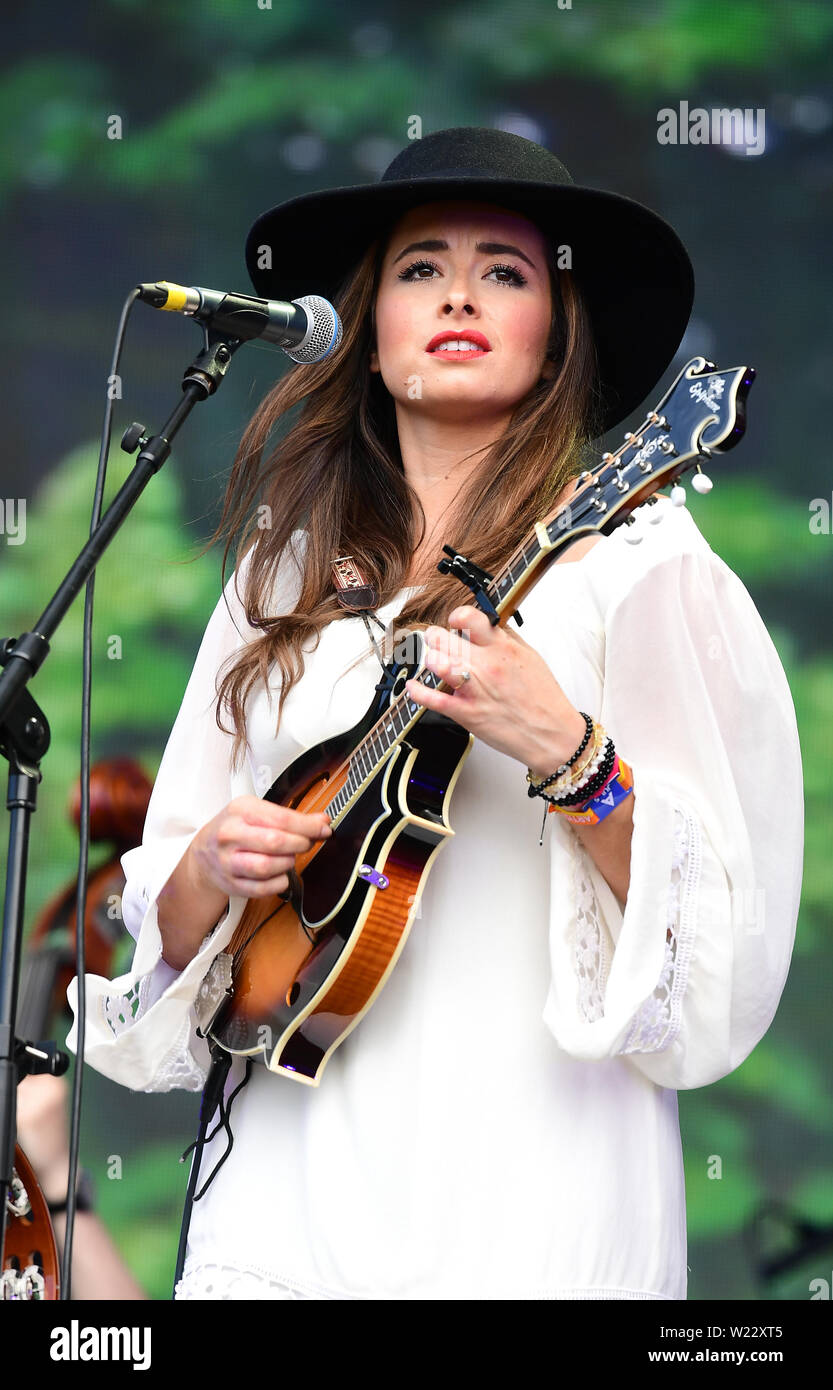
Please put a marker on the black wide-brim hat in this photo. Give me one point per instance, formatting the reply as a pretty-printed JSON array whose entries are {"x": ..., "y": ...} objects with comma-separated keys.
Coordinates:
[{"x": 633, "y": 270}]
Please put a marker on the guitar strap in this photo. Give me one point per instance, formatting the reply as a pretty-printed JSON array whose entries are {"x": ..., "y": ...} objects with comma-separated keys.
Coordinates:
[{"x": 355, "y": 594}]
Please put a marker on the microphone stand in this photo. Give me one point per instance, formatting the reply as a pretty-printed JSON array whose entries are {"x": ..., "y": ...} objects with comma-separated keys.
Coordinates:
[{"x": 25, "y": 736}]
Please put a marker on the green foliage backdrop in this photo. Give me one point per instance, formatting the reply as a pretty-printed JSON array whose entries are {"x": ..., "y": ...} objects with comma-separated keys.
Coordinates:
[{"x": 239, "y": 105}]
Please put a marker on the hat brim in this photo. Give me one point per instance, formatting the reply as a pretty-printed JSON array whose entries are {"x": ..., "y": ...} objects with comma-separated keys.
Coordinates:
[{"x": 633, "y": 270}]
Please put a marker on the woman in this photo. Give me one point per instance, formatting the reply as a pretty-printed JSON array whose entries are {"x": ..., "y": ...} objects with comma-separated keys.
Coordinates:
[{"x": 503, "y": 1121}]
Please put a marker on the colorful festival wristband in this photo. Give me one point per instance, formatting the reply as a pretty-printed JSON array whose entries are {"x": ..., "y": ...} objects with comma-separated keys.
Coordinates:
[{"x": 618, "y": 786}]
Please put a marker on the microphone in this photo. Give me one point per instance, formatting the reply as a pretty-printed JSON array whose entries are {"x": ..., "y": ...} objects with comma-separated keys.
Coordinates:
[{"x": 306, "y": 329}]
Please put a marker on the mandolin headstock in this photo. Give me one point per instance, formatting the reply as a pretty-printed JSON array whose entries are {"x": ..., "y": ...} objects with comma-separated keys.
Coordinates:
[
  {"x": 706, "y": 408},
  {"x": 703, "y": 413}
]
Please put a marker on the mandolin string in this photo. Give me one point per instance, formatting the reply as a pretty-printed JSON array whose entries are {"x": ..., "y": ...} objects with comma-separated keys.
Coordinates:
[
  {"x": 253, "y": 933},
  {"x": 516, "y": 556},
  {"x": 607, "y": 464}
]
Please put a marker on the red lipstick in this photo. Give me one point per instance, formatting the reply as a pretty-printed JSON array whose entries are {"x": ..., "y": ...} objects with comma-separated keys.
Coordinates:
[{"x": 480, "y": 343}]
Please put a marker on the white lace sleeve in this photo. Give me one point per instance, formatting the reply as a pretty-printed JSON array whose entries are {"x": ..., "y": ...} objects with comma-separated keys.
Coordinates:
[
  {"x": 685, "y": 979},
  {"x": 657, "y": 1020},
  {"x": 141, "y": 1028},
  {"x": 184, "y": 1064}
]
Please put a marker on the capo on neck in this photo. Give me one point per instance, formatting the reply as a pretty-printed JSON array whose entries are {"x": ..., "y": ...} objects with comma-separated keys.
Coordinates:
[{"x": 474, "y": 578}]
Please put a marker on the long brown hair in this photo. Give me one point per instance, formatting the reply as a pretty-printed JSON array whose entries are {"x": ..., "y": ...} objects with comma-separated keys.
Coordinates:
[{"x": 338, "y": 474}]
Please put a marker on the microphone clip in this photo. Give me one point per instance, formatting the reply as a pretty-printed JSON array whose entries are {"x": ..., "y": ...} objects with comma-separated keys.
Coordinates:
[{"x": 208, "y": 369}]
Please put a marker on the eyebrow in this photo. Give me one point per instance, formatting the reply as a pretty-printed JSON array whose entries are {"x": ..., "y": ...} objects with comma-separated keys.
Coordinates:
[{"x": 491, "y": 248}]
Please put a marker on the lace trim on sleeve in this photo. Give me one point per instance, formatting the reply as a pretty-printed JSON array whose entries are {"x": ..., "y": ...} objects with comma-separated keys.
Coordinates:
[
  {"x": 122, "y": 1010},
  {"x": 179, "y": 1069},
  {"x": 592, "y": 945},
  {"x": 657, "y": 1020}
]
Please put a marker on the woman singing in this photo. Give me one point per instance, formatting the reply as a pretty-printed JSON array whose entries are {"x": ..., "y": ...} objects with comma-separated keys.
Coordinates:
[{"x": 502, "y": 1122}]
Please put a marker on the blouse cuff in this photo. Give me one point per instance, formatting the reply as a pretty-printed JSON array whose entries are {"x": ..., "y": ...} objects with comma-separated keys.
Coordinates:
[
  {"x": 619, "y": 978},
  {"x": 141, "y": 1027}
]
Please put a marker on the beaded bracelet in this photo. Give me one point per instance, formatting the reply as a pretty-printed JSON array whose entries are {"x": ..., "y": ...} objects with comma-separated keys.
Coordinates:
[
  {"x": 569, "y": 780},
  {"x": 577, "y": 777},
  {"x": 586, "y": 794},
  {"x": 595, "y": 784},
  {"x": 590, "y": 779},
  {"x": 545, "y": 781}
]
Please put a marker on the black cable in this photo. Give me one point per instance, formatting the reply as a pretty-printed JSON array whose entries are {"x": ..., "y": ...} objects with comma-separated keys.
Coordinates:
[
  {"x": 84, "y": 816},
  {"x": 225, "y": 1116},
  {"x": 222, "y": 1123},
  {"x": 212, "y": 1097}
]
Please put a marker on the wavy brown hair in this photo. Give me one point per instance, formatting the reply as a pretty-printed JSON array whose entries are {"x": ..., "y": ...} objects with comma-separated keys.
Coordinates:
[{"x": 338, "y": 474}]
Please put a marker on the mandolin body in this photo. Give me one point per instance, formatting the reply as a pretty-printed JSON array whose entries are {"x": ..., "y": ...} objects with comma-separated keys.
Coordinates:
[{"x": 308, "y": 965}]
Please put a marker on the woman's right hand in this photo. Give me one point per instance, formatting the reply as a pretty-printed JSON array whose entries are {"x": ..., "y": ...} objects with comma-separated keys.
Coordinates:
[
  {"x": 247, "y": 851},
  {"x": 249, "y": 847}
]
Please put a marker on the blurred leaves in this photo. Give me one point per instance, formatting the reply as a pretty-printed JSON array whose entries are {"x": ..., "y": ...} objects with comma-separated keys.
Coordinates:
[
  {"x": 284, "y": 68},
  {"x": 787, "y": 1077},
  {"x": 715, "y": 1204},
  {"x": 53, "y": 114},
  {"x": 758, "y": 531},
  {"x": 182, "y": 146},
  {"x": 156, "y": 605},
  {"x": 658, "y": 46},
  {"x": 143, "y": 1213},
  {"x": 138, "y": 1192}
]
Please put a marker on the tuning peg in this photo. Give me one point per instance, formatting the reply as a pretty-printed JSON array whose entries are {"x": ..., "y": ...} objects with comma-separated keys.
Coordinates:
[
  {"x": 678, "y": 495},
  {"x": 655, "y": 513},
  {"x": 700, "y": 482},
  {"x": 631, "y": 536}
]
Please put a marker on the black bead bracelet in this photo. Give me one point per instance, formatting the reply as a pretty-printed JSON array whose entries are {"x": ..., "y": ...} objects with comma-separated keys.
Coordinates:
[
  {"x": 536, "y": 788},
  {"x": 595, "y": 783}
]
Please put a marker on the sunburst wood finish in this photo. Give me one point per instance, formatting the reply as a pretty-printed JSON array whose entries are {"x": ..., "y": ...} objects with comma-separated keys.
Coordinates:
[{"x": 307, "y": 966}]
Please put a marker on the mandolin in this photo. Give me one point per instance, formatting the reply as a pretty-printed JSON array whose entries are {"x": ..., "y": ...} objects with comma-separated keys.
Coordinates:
[{"x": 302, "y": 968}]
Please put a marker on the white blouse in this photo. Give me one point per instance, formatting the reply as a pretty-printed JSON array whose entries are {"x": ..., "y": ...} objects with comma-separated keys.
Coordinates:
[{"x": 503, "y": 1122}]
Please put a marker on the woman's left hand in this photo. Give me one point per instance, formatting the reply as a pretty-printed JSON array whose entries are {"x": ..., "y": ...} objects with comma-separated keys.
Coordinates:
[{"x": 511, "y": 699}]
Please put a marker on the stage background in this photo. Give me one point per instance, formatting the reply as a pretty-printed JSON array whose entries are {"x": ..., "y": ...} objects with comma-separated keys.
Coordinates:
[{"x": 230, "y": 106}]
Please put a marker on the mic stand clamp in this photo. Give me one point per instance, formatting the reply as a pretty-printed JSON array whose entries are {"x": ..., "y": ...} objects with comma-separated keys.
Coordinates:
[
  {"x": 35, "y": 1058},
  {"x": 200, "y": 381}
]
